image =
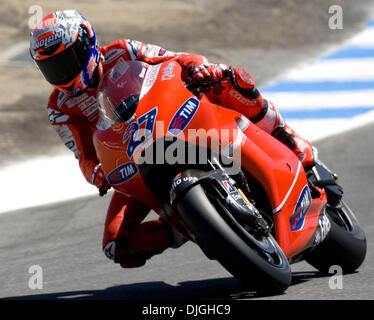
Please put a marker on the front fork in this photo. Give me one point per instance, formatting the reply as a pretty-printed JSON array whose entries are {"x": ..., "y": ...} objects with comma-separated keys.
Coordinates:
[
  {"x": 320, "y": 177},
  {"x": 225, "y": 191}
]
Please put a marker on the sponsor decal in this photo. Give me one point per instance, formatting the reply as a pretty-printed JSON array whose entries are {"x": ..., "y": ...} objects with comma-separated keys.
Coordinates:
[
  {"x": 86, "y": 103},
  {"x": 91, "y": 65},
  {"x": 142, "y": 73},
  {"x": 323, "y": 229},
  {"x": 161, "y": 52},
  {"x": 229, "y": 187},
  {"x": 302, "y": 207},
  {"x": 167, "y": 72},
  {"x": 139, "y": 130},
  {"x": 55, "y": 38},
  {"x": 61, "y": 98},
  {"x": 67, "y": 14},
  {"x": 122, "y": 173},
  {"x": 178, "y": 180},
  {"x": 325, "y": 225},
  {"x": 183, "y": 116},
  {"x": 112, "y": 54},
  {"x": 151, "y": 51},
  {"x": 94, "y": 116},
  {"x": 152, "y": 75},
  {"x": 118, "y": 70},
  {"x": 88, "y": 112},
  {"x": 150, "y": 78},
  {"x": 73, "y": 101},
  {"x": 45, "y": 23},
  {"x": 177, "y": 177}
]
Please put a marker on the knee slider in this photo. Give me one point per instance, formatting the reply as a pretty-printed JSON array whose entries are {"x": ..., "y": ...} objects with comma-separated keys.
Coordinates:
[
  {"x": 109, "y": 250},
  {"x": 116, "y": 247}
]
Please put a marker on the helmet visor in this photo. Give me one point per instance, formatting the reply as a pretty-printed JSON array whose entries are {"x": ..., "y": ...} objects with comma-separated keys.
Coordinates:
[{"x": 65, "y": 66}]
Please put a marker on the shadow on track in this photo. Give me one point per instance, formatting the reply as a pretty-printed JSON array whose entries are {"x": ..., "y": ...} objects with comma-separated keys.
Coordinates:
[
  {"x": 305, "y": 276},
  {"x": 211, "y": 289}
]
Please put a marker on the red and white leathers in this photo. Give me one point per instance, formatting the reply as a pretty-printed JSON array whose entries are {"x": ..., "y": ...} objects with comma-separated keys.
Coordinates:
[{"x": 127, "y": 240}]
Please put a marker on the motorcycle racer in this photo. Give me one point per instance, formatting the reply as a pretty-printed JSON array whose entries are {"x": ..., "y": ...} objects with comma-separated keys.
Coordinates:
[{"x": 65, "y": 49}]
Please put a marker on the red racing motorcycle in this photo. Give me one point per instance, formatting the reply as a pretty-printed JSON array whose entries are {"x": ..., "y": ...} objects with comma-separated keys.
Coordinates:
[{"x": 221, "y": 181}]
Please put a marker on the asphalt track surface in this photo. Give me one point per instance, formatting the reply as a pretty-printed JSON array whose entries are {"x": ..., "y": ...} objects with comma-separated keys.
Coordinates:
[{"x": 65, "y": 241}]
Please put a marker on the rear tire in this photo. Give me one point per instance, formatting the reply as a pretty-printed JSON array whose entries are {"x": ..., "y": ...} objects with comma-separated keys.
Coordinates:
[
  {"x": 259, "y": 263},
  {"x": 345, "y": 244}
]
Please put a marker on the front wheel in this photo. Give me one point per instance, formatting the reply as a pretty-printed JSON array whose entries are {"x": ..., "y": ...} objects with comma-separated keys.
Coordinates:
[
  {"x": 257, "y": 261},
  {"x": 345, "y": 244}
]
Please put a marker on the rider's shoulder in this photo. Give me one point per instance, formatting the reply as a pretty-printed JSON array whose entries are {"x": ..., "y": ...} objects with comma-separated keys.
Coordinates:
[
  {"x": 115, "y": 50},
  {"x": 127, "y": 47},
  {"x": 121, "y": 44}
]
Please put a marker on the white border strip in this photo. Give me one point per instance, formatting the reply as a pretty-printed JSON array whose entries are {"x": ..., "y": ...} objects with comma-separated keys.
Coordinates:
[
  {"x": 321, "y": 100},
  {"x": 337, "y": 70},
  {"x": 289, "y": 191}
]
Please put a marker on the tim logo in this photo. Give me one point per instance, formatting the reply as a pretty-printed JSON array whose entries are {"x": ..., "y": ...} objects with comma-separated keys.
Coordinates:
[
  {"x": 183, "y": 116},
  {"x": 303, "y": 205},
  {"x": 122, "y": 173}
]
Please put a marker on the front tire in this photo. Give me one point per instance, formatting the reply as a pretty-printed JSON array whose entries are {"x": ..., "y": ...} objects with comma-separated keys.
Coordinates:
[
  {"x": 345, "y": 244},
  {"x": 257, "y": 262}
]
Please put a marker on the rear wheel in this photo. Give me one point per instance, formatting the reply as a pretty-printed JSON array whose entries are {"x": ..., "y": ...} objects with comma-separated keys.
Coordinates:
[
  {"x": 345, "y": 244},
  {"x": 255, "y": 260}
]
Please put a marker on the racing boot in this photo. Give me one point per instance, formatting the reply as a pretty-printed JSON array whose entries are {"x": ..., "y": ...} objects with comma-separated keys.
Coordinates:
[
  {"x": 272, "y": 122},
  {"x": 300, "y": 146}
]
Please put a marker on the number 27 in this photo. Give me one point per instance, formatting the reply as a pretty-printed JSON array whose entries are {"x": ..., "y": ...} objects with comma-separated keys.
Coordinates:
[{"x": 133, "y": 131}]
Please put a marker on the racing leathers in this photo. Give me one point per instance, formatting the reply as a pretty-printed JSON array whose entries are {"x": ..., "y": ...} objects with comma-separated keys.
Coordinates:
[{"x": 127, "y": 240}]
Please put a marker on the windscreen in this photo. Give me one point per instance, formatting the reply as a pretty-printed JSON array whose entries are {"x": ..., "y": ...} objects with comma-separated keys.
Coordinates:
[{"x": 120, "y": 89}]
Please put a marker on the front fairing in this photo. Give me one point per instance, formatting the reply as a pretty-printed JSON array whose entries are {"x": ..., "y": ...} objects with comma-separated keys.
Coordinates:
[{"x": 119, "y": 143}]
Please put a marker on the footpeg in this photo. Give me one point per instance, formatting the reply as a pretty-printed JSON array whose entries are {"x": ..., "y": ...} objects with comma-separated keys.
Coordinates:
[{"x": 321, "y": 176}]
